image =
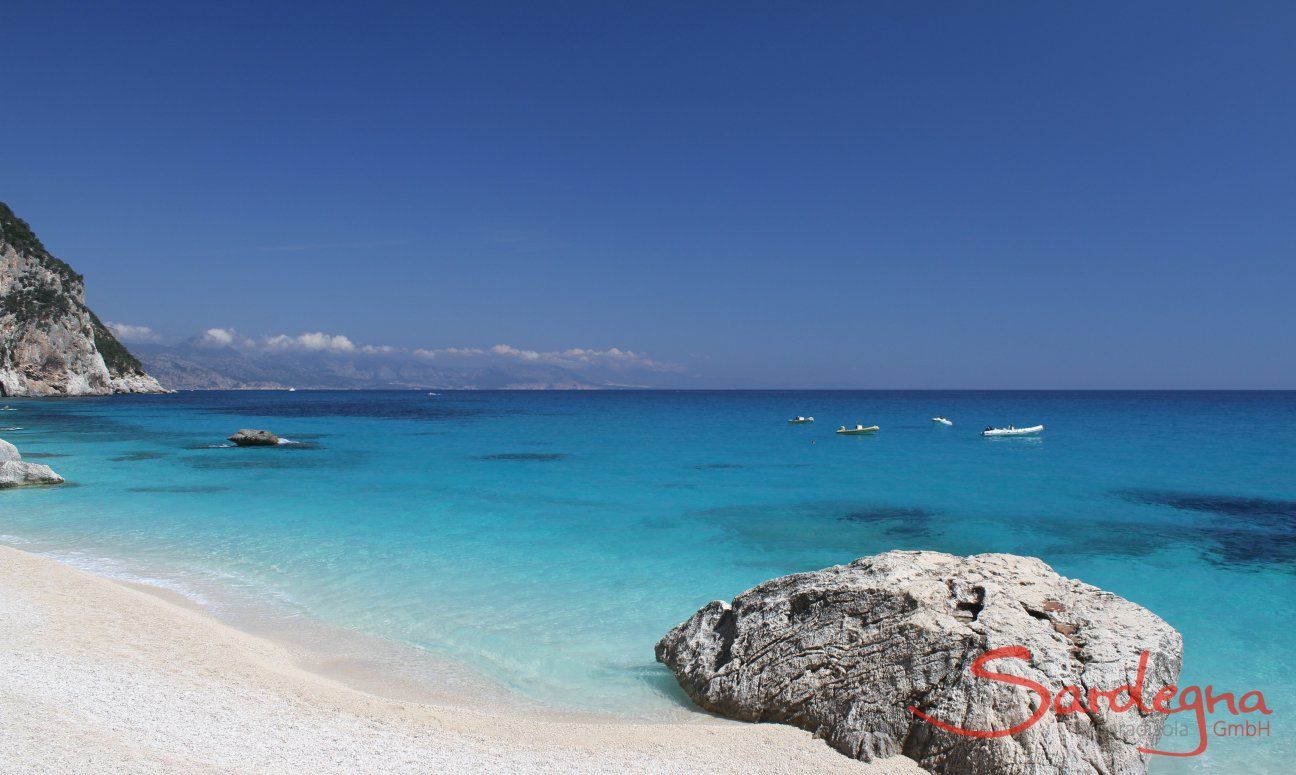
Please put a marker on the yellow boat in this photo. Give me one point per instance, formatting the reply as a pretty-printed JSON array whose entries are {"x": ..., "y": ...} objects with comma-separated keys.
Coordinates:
[{"x": 857, "y": 430}]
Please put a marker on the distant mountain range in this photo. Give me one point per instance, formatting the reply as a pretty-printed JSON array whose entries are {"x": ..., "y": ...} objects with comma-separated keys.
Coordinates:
[{"x": 219, "y": 360}]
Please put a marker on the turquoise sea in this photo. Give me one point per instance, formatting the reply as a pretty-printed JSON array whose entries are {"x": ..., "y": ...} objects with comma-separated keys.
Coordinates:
[{"x": 547, "y": 540}]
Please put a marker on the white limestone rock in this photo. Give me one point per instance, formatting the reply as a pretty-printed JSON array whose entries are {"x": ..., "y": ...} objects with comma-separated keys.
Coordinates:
[
  {"x": 15, "y": 473},
  {"x": 846, "y": 651}
]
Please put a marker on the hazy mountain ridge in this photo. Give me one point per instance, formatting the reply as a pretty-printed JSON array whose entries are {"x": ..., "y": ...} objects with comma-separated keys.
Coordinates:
[
  {"x": 191, "y": 365},
  {"x": 50, "y": 342}
]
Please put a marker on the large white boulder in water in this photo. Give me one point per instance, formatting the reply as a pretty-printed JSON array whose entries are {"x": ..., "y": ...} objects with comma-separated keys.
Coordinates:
[
  {"x": 847, "y": 651},
  {"x": 15, "y": 473}
]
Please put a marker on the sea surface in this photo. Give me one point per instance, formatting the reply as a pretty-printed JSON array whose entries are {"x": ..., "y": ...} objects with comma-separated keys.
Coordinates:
[{"x": 547, "y": 540}]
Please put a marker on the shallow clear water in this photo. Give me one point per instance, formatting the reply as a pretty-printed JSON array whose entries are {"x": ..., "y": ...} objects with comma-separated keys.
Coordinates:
[{"x": 549, "y": 539}]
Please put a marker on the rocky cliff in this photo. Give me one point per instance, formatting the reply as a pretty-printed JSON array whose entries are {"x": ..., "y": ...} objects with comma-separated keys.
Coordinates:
[{"x": 50, "y": 342}]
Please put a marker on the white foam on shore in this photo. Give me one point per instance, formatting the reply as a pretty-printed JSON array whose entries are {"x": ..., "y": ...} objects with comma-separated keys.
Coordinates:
[
  {"x": 111, "y": 568},
  {"x": 212, "y": 589}
]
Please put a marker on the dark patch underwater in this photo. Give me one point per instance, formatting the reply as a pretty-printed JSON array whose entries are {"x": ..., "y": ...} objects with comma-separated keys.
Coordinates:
[
  {"x": 261, "y": 462},
  {"x": 1267, "y": 510},
  {"x": 134, "y": 457},
  {"x": 827, "y": 525},
  {"x": 1242, "y": 532}
]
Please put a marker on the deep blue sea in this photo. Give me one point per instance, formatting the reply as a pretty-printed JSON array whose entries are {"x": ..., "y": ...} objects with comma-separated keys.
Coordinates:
[{"x": 549, "y": 539}]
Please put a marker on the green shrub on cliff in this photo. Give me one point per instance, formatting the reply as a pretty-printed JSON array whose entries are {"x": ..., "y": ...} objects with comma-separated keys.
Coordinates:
[
  {"x": 16, "y": 232},
  {"x": 44, "y": 302}
]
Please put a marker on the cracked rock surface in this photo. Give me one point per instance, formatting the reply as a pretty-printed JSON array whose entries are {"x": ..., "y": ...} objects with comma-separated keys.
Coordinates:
[{"x": 845, "y": 652}]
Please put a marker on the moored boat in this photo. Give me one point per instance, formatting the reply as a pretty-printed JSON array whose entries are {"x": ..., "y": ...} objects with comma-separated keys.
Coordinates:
[
  {"x": 1012, "y": 430},
  {"x": 799, "y": 420},
  {"x": 857, "y": 430}
]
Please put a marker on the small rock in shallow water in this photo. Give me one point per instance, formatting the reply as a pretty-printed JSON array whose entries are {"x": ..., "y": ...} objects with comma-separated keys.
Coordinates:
[
  {"x": 850, "y": 652},
  {"x": 15, "y": 473},
  {"x": 254, "y": 438}
]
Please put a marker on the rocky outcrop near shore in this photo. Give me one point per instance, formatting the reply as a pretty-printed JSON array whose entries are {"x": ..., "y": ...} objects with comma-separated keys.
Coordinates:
[
  {"x": 50, "y": 342},
  {"x": 855, "y": 652},
  {"x": 248, "y": 437},
  {"x": 16, "y": 473}
]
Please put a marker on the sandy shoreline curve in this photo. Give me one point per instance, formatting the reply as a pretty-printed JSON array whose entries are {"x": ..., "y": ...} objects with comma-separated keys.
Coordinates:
[{"x": 100, "y": 676}]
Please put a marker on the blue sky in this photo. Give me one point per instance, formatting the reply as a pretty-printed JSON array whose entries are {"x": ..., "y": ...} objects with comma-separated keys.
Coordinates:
[{"x": 768, "y": 194}]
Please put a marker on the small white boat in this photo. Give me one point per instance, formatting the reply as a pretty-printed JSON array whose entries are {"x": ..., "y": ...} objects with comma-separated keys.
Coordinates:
[
  {"x": 7, "y": 408},
  {"x": 942, "y": 421},
  {"x": 857, "y": 430},
  {"x": 1012, "y": 430},
  {"x": 292, "y": 390},
  {"x": 799, "y": 420}
]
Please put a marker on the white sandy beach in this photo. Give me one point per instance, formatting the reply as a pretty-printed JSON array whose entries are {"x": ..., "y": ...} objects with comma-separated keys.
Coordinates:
[{"x": 102, "y": 677}]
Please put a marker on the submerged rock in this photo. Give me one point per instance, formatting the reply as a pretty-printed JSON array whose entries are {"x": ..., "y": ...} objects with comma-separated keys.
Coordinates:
[
  {"x": 847, "y": 651},
  {"x": 248, "y": 437},
  {"x": 15, "y": 473}
]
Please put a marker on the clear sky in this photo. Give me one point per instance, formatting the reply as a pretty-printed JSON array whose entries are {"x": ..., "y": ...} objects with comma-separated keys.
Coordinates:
[{"x": 770, "y": 194}]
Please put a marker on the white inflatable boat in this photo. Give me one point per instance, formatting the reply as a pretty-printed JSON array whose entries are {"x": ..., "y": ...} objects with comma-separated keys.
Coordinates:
[{"x": 1012, "y": 431}]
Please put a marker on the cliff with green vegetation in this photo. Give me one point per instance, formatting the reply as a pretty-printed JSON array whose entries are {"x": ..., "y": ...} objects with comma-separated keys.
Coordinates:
[{"x": 50, "y": 342}]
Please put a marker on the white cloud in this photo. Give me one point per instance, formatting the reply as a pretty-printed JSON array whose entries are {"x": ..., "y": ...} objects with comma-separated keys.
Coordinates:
[
  {"x": 316, "y": 341},
  {"x": 218, "y": 337},
  {"x": 575, "y": 357},
  {"x": 613, "y": 358},
  {"x": 464, "y": 352},
  {"x": 616, "y": 355},
  {"x": 132, "y": 334},
  {"x": 311, "y": 342},
  {"x": 513, "y": 352}
]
